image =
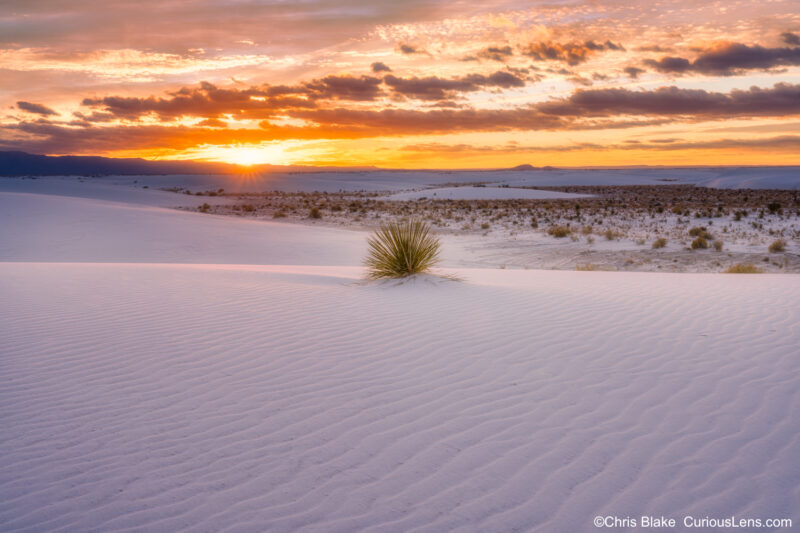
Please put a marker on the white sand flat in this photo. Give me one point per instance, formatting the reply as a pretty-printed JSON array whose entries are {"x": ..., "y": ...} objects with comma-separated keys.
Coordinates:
[{"x": 214, "y": 398}]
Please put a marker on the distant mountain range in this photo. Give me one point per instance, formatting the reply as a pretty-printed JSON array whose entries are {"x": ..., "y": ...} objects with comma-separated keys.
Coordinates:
[
  {"x": 24, "y": 164},
  {"x": 530, "y": 167}
]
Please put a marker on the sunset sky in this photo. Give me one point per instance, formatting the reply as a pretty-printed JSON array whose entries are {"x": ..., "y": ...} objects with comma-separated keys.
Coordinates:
[{"x": 414, "y": 84}]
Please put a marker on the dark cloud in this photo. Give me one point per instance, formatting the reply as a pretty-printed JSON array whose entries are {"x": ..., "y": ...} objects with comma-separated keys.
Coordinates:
[
  {"x": 496, "y": 53},
  {"x": 729, "y": 59},
  {"x": 435, "y": 88},
  {"x": 204, "y": 101},
  {"x": 213, "y": 123},
  {"x": 634, "y": 72},
  {"x": 790, "y": 38},
  {"x": 414, "y": 122},
  {"x": 380, "y": 67},
  {"x": 409, "y": 49},
  {"x": 265, "y": 101},
  {"x": 670, "y": 64},
  {"x": 363, "y": 88},
  {"x": 583, "y": 110},
  {"x": 571, "y": 53},
  {"x": 783, "y": 99},
  {"x": 785, "y": 142},
  {"x": 37, "y": 109},
  {"x": 780, "y": 143},
  {"x": 652, "y": 48}
]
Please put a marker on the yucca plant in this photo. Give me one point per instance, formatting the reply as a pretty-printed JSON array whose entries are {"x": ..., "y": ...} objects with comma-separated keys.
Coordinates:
[{"x": 400, "y": 249}]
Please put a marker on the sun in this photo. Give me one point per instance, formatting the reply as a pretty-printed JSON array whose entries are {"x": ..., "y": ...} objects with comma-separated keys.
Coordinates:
[{"x": 246, "y": 157}]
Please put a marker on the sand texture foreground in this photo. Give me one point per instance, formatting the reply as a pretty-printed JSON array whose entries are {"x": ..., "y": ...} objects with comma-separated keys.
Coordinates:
[{"x": 225, "y": 398}]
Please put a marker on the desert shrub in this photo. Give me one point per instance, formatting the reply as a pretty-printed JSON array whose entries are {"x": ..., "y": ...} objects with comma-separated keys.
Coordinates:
[
  {"x": 610, "y": 235},
  {"x": 401, "y": 249},
  {"x": 699, "y": 231},
  {"x": 204, "y": 208},
  {"x": 777, "y": 246},
  {"x": 741, "y": 268},
  {"x": 559, "y": 231},
  {"x": 660, "y": 242},
  {"x": 718, "y": 245},
  {"x": 485, "y": 225},
  {"x": 249, "y": 208},
  {"x": 278, "y": 214},
  {"x": 699, "y": 243},
  {"x": 774, "y": 207},
  {"x": 314, "y": 213}
]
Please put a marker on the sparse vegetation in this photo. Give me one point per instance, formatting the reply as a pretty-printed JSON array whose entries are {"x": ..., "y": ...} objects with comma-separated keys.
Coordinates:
[
  {"x": 700, "y": 243},
  {"x": 401, "y": 249},
  {"x": 777, "y": 246},
  {"x": 740, "y": 268},
  {"x": 638, "y": 214}
]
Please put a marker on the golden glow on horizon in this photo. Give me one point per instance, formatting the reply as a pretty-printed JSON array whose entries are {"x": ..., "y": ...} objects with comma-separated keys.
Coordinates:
[{"x": 245, "y": 155}]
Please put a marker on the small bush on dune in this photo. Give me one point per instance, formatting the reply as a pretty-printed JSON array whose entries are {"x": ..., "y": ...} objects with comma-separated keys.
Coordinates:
[
  {"x": 660, "y": 242},
  {"x": 777, "y": 246},
  {"x": 314, "y": 213},
  {"x": 610, "y": 234},
  {"x": 698, "y": 231},
  {"x": 699, "y": 243},
  {"x": 401, "y": 249},
  {"x": 559, "y": 231},
  {"x": 740, "y": 268}
]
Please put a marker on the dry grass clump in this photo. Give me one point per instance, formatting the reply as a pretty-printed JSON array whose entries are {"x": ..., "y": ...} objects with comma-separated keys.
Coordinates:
[
  {"x": 741, "y": 268},
  {"x": 400, "y": 249},
  {"x": 610, "y": 234},
  {"x": 700, "y": 243},
  {"x": 777, "y": 246},
  {"x": 698, "y": 231},
  {"x": 589, "y": 267},
  {"x": 659, "y": 243},
  {"x": 559, "y": 231}
]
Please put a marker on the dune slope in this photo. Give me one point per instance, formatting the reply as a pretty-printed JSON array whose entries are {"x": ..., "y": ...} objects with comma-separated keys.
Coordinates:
[{"x": 224, "y": 398}]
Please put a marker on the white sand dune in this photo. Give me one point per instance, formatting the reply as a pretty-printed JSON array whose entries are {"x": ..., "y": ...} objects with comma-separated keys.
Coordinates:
[
  {"x": 482, "y": 193},
  {"x": 290, "y": 396},
  {"x": 39, "y": 227}
]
